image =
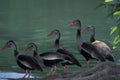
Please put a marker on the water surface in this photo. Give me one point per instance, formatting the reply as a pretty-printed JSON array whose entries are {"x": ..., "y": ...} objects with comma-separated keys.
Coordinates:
[{"x": 27, "y": 21}]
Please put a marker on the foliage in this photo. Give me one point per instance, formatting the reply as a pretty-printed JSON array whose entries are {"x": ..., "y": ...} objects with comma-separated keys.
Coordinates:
[{"x": 113, "y": 7}]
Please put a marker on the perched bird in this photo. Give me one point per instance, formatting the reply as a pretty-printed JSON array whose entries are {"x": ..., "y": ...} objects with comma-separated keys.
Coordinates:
[
  {"x": 101, "y": 46},
  {"x": 85, "y": 48},
  {"x": 70, "y": 59},
  {"x": 25, "y": 62}
]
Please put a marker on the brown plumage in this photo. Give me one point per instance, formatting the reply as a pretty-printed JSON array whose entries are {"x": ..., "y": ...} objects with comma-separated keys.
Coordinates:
[
  {"x": 71, "y": 60},
  {"x": 85, "y": 48},
  {"x": 25, "y": 62},
  {"x": 101, "y": 46}
]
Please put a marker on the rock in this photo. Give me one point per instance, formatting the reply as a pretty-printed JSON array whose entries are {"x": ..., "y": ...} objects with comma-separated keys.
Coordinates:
[{"x": 102, "y": 71}]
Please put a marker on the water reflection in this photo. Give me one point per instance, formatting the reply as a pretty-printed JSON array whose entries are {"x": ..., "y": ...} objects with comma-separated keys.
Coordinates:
[{"x": 11, "y": 75}]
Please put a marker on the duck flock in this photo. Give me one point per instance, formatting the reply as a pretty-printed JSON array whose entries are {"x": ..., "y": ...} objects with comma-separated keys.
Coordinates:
[{"x": 93, "y": 49}]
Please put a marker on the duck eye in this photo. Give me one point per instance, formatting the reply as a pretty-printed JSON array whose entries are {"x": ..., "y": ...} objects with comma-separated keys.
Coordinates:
[
  {"x": 76, "y": 23},
  {"x": 9, "y": 45},
  {"x": 55, "y": 32},
  {"x": 88, "y": 28}
]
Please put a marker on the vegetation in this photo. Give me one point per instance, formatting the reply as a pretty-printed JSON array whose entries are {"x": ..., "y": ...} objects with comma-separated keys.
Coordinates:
[{"x": 113, "y": 7}]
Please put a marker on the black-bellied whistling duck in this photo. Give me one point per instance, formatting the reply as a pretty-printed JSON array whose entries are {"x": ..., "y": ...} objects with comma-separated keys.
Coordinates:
[
  {"x": 35, "y": 54},
  {"x": 102, "y": 47},
  {"x": 25, "y": 62},
  {"x": 50, "y": 58},
  {"x": 85, "y": 48},
  {"x": 71, "y": 59}
]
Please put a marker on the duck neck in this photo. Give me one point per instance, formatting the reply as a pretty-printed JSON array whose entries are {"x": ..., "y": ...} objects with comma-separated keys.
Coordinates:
[
  {"x": 79, "y": 39},
  {"x": 35, "y": 53},
  {"x": 92, "y": 38},
  {"x": 15, "y": 50},
  {"x": 57, "y": 41}
]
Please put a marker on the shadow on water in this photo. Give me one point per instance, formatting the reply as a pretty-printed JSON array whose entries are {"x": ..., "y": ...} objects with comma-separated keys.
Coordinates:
[{"x": 11, "y": 75}]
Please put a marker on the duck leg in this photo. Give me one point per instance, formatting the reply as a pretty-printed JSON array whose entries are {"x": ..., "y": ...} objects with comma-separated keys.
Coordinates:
[
  {"x": 88, "y": 64},
  {"x": 50, "y": 72},
  {"x": 29, "y": 74},
  {"x": 26, "y": 72},
  {"x": 66, "y": 69},
  {"x": 54, "y": 70}
]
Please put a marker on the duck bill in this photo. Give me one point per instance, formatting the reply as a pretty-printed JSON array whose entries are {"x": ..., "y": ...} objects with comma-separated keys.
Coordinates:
[
  {"x": 4, "y": 47},
  {"x": 84, "y": 30},
  {"x": 71, "y": 24},
  {"x": 50, "y": 34},
  {"x": 27, "y": 49}
]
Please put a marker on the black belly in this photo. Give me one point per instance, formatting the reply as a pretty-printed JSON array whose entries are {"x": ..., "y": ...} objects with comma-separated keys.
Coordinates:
[
  {"x": 51, "y": 63},
  {"x": 66, "y": 63},
  {"x": 23, "y": 66},
  {"x": 86, "y": 55}
]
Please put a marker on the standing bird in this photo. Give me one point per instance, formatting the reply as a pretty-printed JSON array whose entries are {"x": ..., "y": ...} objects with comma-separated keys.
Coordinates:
[
  {"x": 50, "y": 58},
  {"x": 32, "y": 46},
  {"x": 25, "y": 62},
  {"x": 102, "y": 47},
  {"x": 71, "y": 60},
  {"x": 86, "y": 49}
]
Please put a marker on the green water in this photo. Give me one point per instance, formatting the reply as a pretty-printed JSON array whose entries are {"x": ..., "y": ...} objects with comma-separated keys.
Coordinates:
[{"x": 27, "y": 21}]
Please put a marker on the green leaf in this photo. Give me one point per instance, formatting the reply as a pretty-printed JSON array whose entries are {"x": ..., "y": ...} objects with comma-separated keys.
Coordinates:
[
  {"x": 114, "y": 47},
  {"x": 116, "y": 40},
  {"x": 116, "y": 13},
  {"x": 108, "y": 0},
  {"x": 113, "y": 30}
]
